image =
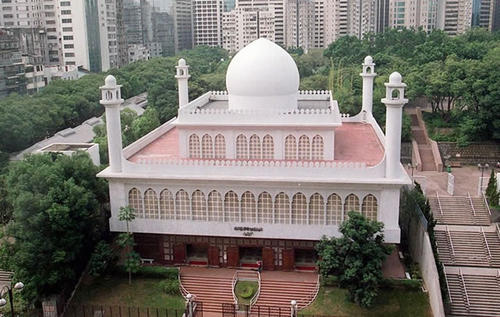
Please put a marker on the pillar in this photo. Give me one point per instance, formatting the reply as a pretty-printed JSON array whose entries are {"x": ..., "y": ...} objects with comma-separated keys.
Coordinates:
[
  {"x": 111, "y": 100},
  {"x": 368, "y": 75},
  {"x": 182, "y": 76},
  {"x": 394, "y": 101}
]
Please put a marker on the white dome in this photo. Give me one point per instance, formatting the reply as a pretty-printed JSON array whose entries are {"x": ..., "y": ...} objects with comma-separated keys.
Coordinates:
[{"x": 262, "y": 76}]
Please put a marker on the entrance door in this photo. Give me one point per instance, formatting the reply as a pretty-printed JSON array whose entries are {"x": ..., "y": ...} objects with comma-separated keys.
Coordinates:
[
  {"x": 179, "y": 253},
  {"x": 233, "y": 256},
  {"x": 268, "y": 258},
  {"x": 197, "y": 254},
  {"x": 249, "y": 256},
  {"x": 288, "y": 260},
  {"x": 213, "y": 256},
  {"x": 305, "y": 259}
]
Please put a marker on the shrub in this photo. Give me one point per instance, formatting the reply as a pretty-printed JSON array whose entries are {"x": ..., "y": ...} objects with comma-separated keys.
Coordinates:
[
  {"x": 170, "y": 287},
  {"x": 102, "y": 259}
]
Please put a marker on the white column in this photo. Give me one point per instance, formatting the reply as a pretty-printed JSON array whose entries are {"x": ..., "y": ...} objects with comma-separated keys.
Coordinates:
[
  {"x": 182, "y": 77},
  {"x": 368, "y": 75},
  {"x": 394, "y": 101},
  {"x": 111, "y": 100}
]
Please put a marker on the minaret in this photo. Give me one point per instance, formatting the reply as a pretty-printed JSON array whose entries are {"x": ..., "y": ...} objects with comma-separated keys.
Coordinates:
[
  {"x": 182, "y": 81},
  {"x": 368, "y": 75},
  {"x": 111, "y": 100},
  {"x": 394, "y": 101}
]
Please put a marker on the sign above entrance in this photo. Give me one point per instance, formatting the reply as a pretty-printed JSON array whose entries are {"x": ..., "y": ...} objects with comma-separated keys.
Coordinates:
[{"x": 253, "y": 229}]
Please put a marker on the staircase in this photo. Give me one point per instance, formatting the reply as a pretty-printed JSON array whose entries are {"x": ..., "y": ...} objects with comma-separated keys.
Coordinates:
[
  {"x": 211, "y": 289},
  {"x": 278, "y": 294},
  {"x": 460, "y": 210},
  {"x": 474, "y": 295},
  {"x": 424, "y": 147}
]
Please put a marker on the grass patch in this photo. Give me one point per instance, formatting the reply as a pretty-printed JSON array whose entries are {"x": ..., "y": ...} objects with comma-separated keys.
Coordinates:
[
  {"x": 245, "y": 290},
  {"x": 332, "y": 301},
  {"x": 115, "y": 291}
]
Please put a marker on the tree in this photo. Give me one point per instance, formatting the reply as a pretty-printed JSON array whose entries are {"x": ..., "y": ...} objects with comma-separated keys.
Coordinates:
[
  {"x": 356, "y": 258},
  {"x": 492, "y": 189},
  {"x": 57, "y": 218},
  {"x": 126, "y": 241}
]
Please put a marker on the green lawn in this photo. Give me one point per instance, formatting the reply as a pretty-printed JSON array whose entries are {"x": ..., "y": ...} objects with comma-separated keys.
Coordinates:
[
  {"x": 332, "y": 301},
  {"x": 245, "y": 290},
  {"x": 115, "y": 291}
]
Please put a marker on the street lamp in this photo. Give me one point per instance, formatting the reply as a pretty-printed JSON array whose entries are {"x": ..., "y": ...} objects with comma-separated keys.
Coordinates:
[
  {"x": 482, "y": 168},
  {"x": 18, "y": 286}
]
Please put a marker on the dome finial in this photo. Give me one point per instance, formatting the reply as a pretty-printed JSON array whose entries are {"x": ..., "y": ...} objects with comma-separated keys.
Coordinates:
[{"x": 110, "y": 81}]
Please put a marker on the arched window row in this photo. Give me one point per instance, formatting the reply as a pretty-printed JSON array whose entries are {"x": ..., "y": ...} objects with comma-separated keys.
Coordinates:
[
  {"x": 249, "y": 207},
  {"x": 255, "y": 147}
]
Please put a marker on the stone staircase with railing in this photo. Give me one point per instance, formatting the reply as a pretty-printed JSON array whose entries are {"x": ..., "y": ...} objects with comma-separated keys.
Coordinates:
[{"x": 460, "y": 210}]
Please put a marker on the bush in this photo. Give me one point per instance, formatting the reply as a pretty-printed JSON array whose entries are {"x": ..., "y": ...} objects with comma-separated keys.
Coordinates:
[
  {"x": 170, "y": 287},
  {"x": 102, "y": 259},
  {"x": 413, "y": 284}
]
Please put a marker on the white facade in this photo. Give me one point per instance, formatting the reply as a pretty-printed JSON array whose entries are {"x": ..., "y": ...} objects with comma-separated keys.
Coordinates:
[
  {"x": 413, "y": 14},
  {"x": 290, "y": 172},
  {"x": 207, "y": 22}
]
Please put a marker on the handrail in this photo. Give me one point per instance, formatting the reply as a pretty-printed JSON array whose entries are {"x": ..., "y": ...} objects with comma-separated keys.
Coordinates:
[
  {"x": 235, "y": 279},
  {"x": 183, "y": 290},
  {"x": 447, "y": 284},
  {"x": 256, "y": 295},
  {"x": 486, "y": 242},
  {"x": 471, "y": 204},
  {"x": 311, "y": 299},
  {"x": 465, "y": 288},
  {"x": 498, "y": 230},
  {"x": 439, "y": 204},
  {"x": 451, "y": 242},
  {"x": 486, "y": 203}
]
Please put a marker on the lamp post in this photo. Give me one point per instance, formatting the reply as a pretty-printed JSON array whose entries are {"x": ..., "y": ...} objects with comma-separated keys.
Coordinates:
[
  {"x": 18, "y": 286},
  {"x": 482, "y": 168},
  {"x": 412, "y": 167}
]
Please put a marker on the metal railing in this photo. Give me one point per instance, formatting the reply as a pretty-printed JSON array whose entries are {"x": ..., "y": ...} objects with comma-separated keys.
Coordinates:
[
  {"x": 486, "y": 242},
  {"x": 486, "y": 203},
  {"x": 439, "y": 204},
  {"x": 471, "y": 204},
  {"x": 233, "y": 285},
  {"x": 309, "y": 299},
  {"x": 183, "y": 290},
  {"x": 256, "y": 295},
  {"x": 498, "y": 230},
  {"x": 451, "y": 242},
  {"x": 447, "y": 284},
  {"x": 465, "y": 288}
]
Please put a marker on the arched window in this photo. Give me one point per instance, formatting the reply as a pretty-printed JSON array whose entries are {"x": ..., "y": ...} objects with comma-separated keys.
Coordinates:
[
  {"x": 317, "y": 148},
  {"x": 231, "y": 207},
  {"x": 199, "y": 206},
  {"x": 299, "y": 209},
  {"x": 215, "y": 207},
  {"x": 351, "y": 204},
  {"x": 255, "y": 149},
  {"x": 182, "y": 205},
  {"x": 135, "y": 201},
  {"x": 207, "y": 149},
  {"x": 194, "y": 146},
  {"x": 333, "y": 210},
  {"x": 304, "y": 148},
  {"x": 167, "y": 206},
  {"x": 248, "y": 207},
  {"x": 369, "y": 207},
  {"x": 150, "y": 204},
  {"x": 267, "y": 147},
  {"x": 316, "y": 209},
  {"x": 290, "y": 148},
  {"x": 282, "y": 209},
  {"x": 220, "y": 146},
  {"x": 265, "y": 208},
  {"x": 241, "y": 147}
]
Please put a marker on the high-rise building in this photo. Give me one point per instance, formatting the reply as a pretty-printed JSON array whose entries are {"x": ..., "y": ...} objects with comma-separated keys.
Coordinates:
[
  {"x": 183, "y": 24},
  {"x": 12, "y": 68},
  {"x": 482, "y": 13},
  {"x": 319, "y": 24},
  {"x": 455, "y": 16},
  {"x": 229, "y": 5},
  {"x": 276, "y": 6},
  {"x": 414, "y": 14},
  {"x": 163, "y": 31},
  {"x": 382, "y": 11},
  {"x": 300, "y": 23},
  {"x": 207, "y": 22},
  {"x": 132, "y": 19}
]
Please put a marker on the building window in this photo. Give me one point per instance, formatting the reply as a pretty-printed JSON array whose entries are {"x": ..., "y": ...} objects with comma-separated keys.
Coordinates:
[
  {"x": 194, "y": 146},
  {"x": 265, "y": 208},
  {"x": 215, "y": 208},
  {"x": 304, "y": 148},
  {"x": 351, "y": 204},
  {"x": 198, "y": 206},
  {"x": 317, "y": 148},
  {"x": 333, "y": 210},
  {"x": 290, "y": 148},
  {"x": 241, "y": 147},
  {"x": 220, "y": 146},
  {"x": 299, "y": 209},
  {"x": 255, "y": 149},
  {"x": 369, "y": 207},
  {"x": 231, "y": 207},
  {"x": 135, "y": 201},
  {"x": 207, "y": 147},
  {"x": 267, "y": 147},
  {"x": 150, "y": 204},
  {"x": 167, "y": 206},
  {"x": 248, "y": 207},
  {"x": 182, "y": 205},
  {"x": 316, "y": 208},
  {"x": 282, "y": 209}
]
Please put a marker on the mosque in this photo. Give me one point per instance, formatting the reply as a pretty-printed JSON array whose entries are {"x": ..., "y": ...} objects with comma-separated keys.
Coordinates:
[{"x": 260, "y": 172}]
